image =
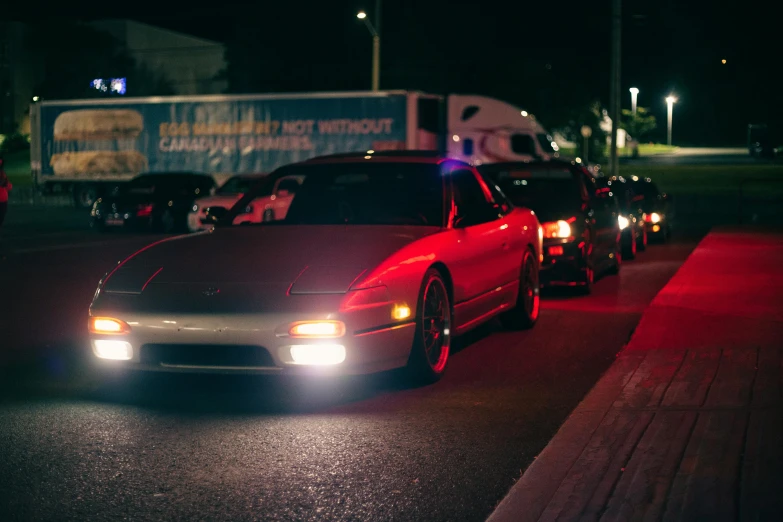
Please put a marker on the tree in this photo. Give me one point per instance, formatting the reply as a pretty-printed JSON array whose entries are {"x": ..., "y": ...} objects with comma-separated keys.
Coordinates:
[
  {"x": 590, "y": 114},
  {"x": 74, "y": 53},
  {"x": 638, "y": 125}
]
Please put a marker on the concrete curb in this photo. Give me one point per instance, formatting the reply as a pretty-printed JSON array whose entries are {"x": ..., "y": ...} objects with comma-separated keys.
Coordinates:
[{"x": 530, "y": 496}]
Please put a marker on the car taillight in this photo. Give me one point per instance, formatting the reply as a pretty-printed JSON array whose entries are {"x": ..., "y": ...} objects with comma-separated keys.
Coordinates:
[
  {"x": 556, "y": 229},
  {"x": 144, "y": 210}
]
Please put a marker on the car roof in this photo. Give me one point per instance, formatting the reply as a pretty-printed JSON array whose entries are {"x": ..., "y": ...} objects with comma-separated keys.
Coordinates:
[{"x": 391, "y": 156}]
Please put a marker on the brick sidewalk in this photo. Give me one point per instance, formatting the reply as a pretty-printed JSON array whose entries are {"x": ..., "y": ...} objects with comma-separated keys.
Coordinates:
[{"x": 687, "y": 424}]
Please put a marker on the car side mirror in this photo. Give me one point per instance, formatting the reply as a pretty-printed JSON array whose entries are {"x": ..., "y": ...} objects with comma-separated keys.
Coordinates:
[{"x": 461, "y": 220}]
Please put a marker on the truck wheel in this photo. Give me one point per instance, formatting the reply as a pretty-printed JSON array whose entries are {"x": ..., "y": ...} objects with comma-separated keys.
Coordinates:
[{"x": 84, "y": 195}]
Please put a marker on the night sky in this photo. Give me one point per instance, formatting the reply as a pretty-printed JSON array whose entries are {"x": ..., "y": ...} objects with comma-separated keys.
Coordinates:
[{"x": 546, "y": 57}]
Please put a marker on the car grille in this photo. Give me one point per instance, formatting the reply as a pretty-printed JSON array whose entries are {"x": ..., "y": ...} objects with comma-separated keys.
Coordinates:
[{"x": 200, "y": 355}]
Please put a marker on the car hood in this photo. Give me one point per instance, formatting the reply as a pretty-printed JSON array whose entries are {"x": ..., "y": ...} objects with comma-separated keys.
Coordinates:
[{"x": 303, "y": 259}]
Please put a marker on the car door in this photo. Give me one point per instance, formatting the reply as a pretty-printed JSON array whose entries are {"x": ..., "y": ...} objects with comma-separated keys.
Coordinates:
[
  {"x": 482, "y": 247},
  {"x": 511, "y": 258}
]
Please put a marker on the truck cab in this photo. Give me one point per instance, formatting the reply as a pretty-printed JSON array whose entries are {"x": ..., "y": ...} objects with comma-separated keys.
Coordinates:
[{"x": 487, "y": 130}]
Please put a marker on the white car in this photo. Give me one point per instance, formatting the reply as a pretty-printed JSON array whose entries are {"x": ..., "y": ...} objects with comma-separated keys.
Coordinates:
[
  {"x": 225, "y": 197},
  {"x": 274, "y": 206}
]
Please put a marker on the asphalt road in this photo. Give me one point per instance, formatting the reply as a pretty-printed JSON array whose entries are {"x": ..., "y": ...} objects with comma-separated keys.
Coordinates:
[{"x": 78, "y": 447}]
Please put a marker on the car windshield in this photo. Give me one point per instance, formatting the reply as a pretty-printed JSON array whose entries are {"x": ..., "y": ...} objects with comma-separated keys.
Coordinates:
[
  {"x": 539, "y": 188},
  {"x": 238, "y": 185},
  {"x": 349, "y": 194}
]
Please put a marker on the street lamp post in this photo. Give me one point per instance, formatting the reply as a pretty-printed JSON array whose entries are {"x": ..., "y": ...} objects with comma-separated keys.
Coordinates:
[
  {"x": 670, "y": 101},
  {"x": 634, "y": 95},
  {"x": 376, "y": 43}
]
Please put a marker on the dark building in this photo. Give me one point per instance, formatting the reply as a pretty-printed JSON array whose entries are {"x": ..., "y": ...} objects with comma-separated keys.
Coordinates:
[{"x": 190, "y": 65}]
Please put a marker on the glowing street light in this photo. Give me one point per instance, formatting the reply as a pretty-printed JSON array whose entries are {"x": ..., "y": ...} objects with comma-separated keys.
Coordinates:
[
  {"x": 634, "y": 94},
  {"x": 670, "y": 101},
  {"x": 376, "y": 43}
]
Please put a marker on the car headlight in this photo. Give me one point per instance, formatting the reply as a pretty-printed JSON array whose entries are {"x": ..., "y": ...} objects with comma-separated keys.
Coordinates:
[
  {"x": 317, "y": 329},
  {"x": 556, "y": 229},
  {"x": 108, "y": 326},
  {"x": 653, "y": 218},
  {"x": 623, "y": 222}
]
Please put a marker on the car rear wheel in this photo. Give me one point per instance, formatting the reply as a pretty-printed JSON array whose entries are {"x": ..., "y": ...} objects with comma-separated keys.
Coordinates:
[
  {"x": 525, "y": 313},
  {"x": 432, "y": 340},
  {"x": 641, "y": 241},
  {"x": 586, "y": 281},
  {"x": 168, "y": 223},
  {"x": 84, "y": 195},
  {"x": 630, "y": 247},
  {"x": 617, "y": 260}
]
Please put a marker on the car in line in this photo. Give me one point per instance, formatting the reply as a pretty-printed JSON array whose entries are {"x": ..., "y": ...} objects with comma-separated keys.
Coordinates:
[
  {"x": 657, "y": 207},
  {"x": 630, "y": 215},
  {"x": 381, "y": 259},
  {"x": 580, "y": 223},
  {"x": 152, "y": 201},
  {"x": 270, "y": 205},
  {"x": 202, "y": 214}
]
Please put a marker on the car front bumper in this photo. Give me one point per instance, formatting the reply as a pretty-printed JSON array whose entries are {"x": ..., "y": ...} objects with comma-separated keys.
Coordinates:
[{"x": 253, "y": 343}]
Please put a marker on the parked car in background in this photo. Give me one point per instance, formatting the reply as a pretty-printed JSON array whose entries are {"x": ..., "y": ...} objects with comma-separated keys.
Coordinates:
[
  {"x": 580, "y": 224},
  {"x": 378, "y": 264},
  {"x": 156, "y": 201},
  {"x": 630, "y": 217},
  {"x": 657, "y": 208},
  {"x": 202, "y": 214},
  {"x": 271, "y": 202}
]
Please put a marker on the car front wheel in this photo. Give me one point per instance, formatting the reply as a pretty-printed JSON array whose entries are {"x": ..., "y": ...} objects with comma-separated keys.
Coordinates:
[{"x": 432, "y": 340}]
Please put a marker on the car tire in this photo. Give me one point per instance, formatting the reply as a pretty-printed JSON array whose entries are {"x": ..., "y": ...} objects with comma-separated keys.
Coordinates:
[
  {"x": 98, "y": 225},
  {"x": 641, "y": 241},
  {"x": 614, "y": 269},
  {"x": 586, "y": 281},
  {"x": 84, "y": 195},
  {"x": 526, "y": 310},
  {"x": 168, "y": 223},
  {"x": 432, "y": 339},
  {"x": 629, "y": 250}
]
